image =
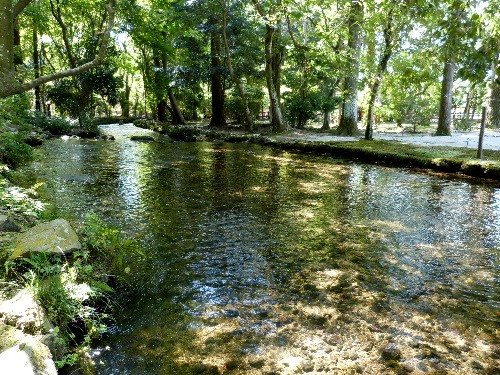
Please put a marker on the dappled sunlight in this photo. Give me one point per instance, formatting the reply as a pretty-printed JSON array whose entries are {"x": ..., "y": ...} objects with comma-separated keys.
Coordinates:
[{"x": 262, "y": 261}]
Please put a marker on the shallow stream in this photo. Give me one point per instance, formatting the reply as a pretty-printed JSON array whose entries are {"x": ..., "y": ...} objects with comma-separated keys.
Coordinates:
[{"x": 260, "y": 261}]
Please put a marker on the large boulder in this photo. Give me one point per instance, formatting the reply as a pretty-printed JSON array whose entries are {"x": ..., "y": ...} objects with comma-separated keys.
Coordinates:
[{"x": 57, "y": 237}]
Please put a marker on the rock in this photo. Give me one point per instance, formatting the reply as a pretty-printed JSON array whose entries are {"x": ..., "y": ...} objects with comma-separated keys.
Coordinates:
[
  {"x": 142, "y": 138},
  {"x": 27, "y": 358},
  {"x": 23, "y": 313},
  {"x": 230, "y": 313},
  {"x": 391, "y": 352},
  {"x": 57, "y": 237},
  {"x": 307, "y": 366},
  {"x": 10, "y": 337},
  {"x": 7, "y": 225}
]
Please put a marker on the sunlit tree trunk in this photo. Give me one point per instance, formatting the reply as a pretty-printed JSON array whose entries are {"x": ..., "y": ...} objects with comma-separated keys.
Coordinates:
[
  {"x": 349, "y": 118},
  {"x": 495, "y": 96},
  {"x": 446, "y": 102},
  {"x": 271, "y": 79},
  {"x": 381, "y": 69}
]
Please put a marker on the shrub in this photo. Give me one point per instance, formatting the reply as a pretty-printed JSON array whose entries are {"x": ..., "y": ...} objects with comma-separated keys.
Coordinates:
[
  {"x": 13, "y": 151},
  {"x": 54, "y": 125}
]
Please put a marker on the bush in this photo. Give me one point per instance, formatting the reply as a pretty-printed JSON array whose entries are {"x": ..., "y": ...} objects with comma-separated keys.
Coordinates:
[
  {"x": 13, "y": 151},
  {"x": 463, "y": 124},
  {"x": 54, "y": 125},
  {"x": 235, "y": 108},
  {"x": 300, "y": 110}
]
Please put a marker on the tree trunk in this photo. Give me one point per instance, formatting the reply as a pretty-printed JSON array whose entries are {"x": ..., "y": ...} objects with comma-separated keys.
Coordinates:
[
  {"x": 446, "y": 102},
  {"x": 274, "y": 102},
  {"x": 495, "y": 96},
  {"x": 381, "y": 69},
  {"x": 249, "y": 123},
  {"x": 177, "y": 116},
  {"x": 161, "y": 111},
  {"x": 36, "y": 68},
  {"x": 349, "y": 118},
  {"x": 218, "y": 120},
  {"x": 125, "y": 102},
  {"x": 6, "y": 44}
]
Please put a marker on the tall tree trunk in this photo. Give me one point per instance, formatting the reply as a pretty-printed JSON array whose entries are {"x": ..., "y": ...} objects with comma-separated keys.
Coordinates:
[
  {"x": 274, "y": 101},
  {"x": 381, "y": 69},
  {"x": 495, "y": 95},
  {"x": 249, "y": 123},
  {"x": 18, "y": 57},
  {"x": 218, "y": 120},
  {"x": 177, "y": 116},
  {"x": 125, "y": 101},
  {"x": 36, "y": 68},
  {"x": 446, "y": 101},
  {"x": 349, "y": 118},
  {"x": 161, "y": 111},
  {"x": 6, "y": 43}
]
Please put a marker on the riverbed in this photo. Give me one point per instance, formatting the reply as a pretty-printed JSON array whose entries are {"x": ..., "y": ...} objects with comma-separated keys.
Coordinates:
[{"x": 260, "y": 261}]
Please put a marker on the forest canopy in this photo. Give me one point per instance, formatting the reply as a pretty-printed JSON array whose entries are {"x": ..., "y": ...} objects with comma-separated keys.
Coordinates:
[{"x": 287, "y": 62}]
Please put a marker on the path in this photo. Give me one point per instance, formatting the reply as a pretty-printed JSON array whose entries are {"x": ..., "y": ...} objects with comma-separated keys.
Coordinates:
[{"x": 458, "y": 139}]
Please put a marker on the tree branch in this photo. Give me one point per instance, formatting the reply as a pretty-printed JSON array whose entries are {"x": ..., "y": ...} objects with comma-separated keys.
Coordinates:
[
  {"x": 19, "y": 7},
  {"x": 17, "y": 89}
]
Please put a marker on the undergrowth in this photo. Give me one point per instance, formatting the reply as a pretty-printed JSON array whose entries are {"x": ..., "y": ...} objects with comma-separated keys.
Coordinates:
[{"x": 76, "y": 290}]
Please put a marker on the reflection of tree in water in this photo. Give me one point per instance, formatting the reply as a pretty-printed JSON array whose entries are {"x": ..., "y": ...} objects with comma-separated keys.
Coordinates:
[{"x": 258, "y": 261}]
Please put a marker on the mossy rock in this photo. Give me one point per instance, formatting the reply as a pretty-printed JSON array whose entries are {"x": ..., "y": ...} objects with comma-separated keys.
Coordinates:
[{"x": 55, "y": 237}]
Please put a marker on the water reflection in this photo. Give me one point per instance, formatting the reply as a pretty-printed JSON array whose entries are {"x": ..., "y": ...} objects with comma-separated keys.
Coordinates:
[{"x": 258, "y": 260}]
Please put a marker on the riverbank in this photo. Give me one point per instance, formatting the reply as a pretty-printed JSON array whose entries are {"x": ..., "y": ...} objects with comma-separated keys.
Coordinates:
[
  {"x": 421, "y": 152},
  {"x": 54, "y": 285}
]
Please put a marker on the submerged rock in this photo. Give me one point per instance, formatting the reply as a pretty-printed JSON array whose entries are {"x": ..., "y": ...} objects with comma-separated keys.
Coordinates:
[
  {"x": 391, "y": 352},
  {"x": 56, "y": 237},
  {"x": 7, "y": 225},
  {"x": 142, "y": 138}
]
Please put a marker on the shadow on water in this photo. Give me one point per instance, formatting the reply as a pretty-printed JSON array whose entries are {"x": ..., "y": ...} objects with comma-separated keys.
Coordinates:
[{"x": 260, "y": 261}]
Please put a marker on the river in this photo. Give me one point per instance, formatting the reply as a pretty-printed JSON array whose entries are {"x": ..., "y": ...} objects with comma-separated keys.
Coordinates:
[{"x": 261, "y": 261}]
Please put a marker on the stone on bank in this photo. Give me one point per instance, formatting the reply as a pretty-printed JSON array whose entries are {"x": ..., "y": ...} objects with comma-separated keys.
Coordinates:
[{"x": 56, "y": 237}]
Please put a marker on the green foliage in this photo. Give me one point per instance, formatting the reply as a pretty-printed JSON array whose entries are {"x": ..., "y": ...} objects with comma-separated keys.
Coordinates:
[
  {"x": 463, "y": 124},
  {"x": 118, "y": 255},
  {"x": 13, "y": 151},
  {"x": 54, "y": 125},
  {"x": 14, "y": 111},
  {"x": 235, "y": 108},
  {"x": 299, "y": 109}
]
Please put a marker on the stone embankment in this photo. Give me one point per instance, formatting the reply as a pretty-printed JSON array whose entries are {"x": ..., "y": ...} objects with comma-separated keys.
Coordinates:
[{"x": 28, "y": 339}]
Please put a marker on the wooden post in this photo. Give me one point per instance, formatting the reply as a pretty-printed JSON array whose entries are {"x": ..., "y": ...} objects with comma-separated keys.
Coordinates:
[{"x": 481, "y": 134}]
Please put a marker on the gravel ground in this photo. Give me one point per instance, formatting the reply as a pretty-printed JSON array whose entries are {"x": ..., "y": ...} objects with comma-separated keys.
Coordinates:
[{"x": 458, "y": 139}]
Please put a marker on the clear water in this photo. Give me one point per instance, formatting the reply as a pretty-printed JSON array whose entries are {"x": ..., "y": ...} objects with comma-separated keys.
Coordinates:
[{"x": 262, "y": 261}]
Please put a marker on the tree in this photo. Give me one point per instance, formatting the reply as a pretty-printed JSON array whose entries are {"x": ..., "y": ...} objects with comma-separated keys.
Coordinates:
[
  {"x": 349, "y": 118},
  {"x": 388, "y": 34},
  {"x": 9, "y": 85},
  {"x": 273, "y": 60},
  {"x": 249, "y": 123}
]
